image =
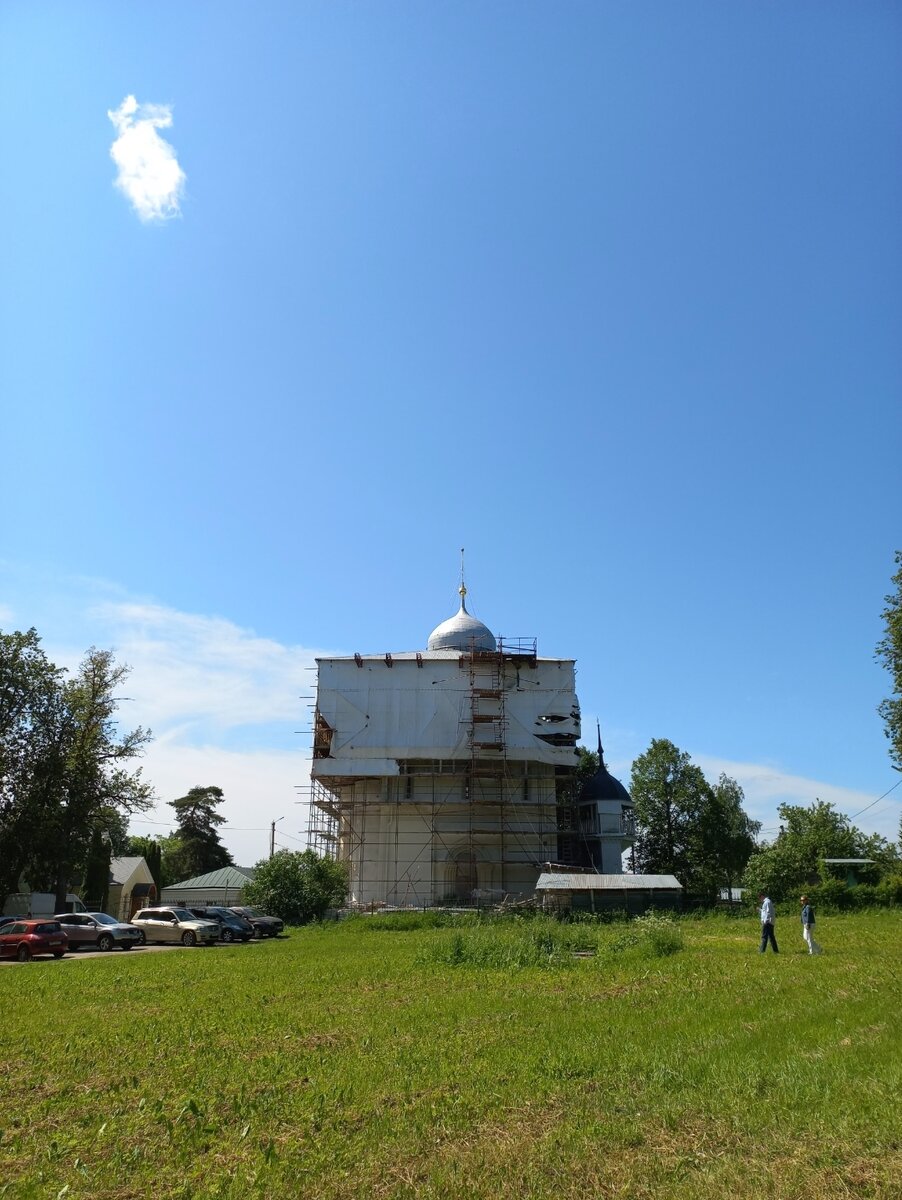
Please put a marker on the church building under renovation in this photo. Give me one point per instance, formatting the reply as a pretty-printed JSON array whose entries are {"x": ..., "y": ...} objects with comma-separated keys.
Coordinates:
[{"x": 446, "y": 775}]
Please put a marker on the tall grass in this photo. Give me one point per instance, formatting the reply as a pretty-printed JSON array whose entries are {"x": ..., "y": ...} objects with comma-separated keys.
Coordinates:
[{"x": 547, "y": 943}]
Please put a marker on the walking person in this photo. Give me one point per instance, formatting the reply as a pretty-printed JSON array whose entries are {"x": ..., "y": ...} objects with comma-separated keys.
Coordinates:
[
  {"x": 767, "y": 923},
  {"x": 808, "y": 927}
]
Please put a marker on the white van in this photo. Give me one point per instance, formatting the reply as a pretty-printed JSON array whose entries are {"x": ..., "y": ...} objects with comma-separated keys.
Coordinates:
[{"x": 38, "y": 904}]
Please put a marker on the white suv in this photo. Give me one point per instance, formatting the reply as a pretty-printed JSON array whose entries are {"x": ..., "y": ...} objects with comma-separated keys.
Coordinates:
[{"x": 174, "y": 925}]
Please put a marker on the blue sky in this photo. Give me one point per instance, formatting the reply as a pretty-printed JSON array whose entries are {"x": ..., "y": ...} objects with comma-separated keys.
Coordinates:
[{"x": 605, "y": 292}]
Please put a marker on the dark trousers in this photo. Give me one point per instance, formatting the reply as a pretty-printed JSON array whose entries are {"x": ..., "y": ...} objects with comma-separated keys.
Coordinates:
[{"x": 767, "y": 935}]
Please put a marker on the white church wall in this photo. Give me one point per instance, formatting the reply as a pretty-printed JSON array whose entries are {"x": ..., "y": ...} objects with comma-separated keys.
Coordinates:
[{"x": 405, "y": 710}]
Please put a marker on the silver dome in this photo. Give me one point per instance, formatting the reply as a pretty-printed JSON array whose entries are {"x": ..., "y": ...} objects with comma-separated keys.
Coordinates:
[{"x": 462, "y": 632}]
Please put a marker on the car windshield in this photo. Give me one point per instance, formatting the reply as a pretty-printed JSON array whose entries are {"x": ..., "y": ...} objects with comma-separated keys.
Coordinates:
[
  {"x": 104, "y": 919},
  {"x": 184, "y": 915},
  {"x": 252, "y": 912}
]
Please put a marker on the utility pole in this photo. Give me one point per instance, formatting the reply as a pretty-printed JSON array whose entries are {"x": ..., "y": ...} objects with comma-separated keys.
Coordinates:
[{"x": 272, "y": 836}]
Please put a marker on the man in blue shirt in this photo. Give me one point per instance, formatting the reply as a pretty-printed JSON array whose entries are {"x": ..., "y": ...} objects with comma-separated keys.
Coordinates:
[
  {"x": 808, "y": 927},
  {"x": 767, "y": 923}
]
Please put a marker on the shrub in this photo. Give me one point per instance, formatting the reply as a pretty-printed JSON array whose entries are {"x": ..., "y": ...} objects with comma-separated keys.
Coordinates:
[
  {"x": 863, "y": 895},
  {"x": 831, "y": 894},
  {"x": 889, "y": 890},
  {"x": 660, "y": 933},
  {"x": 514, "y": 943}
]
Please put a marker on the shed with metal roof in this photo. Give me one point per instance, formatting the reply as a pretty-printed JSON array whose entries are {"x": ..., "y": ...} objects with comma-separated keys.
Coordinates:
[
  {"x": 589, "y": 892},
  {"x": 224, "y": 887}
]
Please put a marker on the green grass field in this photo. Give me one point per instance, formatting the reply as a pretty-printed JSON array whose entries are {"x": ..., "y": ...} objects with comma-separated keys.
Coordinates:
[{"x": 362, "y": 1061}]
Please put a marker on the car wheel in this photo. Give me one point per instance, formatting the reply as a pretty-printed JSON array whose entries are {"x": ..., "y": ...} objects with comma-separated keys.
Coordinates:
[
  {"x": 227, "y": 935},
  {"x": 142, "y": 938},
  {"x": 189, "y": 938},
  {"x": 23, "y": 954},
  {"x": 105, "y": 942},
  {"x": 58, "y": 953}
]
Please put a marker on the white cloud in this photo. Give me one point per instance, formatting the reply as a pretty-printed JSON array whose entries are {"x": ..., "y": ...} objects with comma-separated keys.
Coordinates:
[
  {"x": 149, "y": 172},
  {"x": 766, "y": 787},
  {"x": 225, "y": 707},
  {"x": 197, "y": 676},
  {"x": 260, "y": 786}
]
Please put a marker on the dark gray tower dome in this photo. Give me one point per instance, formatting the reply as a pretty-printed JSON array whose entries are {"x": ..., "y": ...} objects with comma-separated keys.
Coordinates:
[{"x": 603, "y": 785}]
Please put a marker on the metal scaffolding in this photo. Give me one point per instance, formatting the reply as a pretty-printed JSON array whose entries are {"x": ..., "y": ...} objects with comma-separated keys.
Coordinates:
[{"x": 474, "y": 828}]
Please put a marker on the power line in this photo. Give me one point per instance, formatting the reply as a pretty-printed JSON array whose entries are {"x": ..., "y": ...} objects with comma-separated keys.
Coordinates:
[{"x": 877, "y": 801}]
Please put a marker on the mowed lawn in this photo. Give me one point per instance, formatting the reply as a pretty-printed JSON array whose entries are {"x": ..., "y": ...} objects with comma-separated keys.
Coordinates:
[{"x": 351, "y": 1061}]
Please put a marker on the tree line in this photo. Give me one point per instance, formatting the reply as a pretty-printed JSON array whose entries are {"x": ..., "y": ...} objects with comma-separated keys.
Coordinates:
[
  {"x": 70, "y": 784},
  {"x": 699, "y": 832}
]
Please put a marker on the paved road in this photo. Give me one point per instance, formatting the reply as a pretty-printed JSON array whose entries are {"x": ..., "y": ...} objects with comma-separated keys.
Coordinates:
[{"x": 137, "y": 952}]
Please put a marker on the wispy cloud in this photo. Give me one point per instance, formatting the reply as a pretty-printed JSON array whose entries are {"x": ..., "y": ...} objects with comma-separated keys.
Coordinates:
[
  {"x": 226, "y": 707},
  {"x": 202, "y": 675},
  {"x": 149, "y": 172},
  {"x": 766, "y": 787}
]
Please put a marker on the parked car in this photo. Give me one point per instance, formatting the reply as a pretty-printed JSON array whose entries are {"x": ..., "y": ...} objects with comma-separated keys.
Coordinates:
[
  {"x": 98, "y": 930},
  {"x": 265, "y": 926},
  {"x": 24, "y": 939},
  {"x": 174, "y": 925},
  {"x": 232, "y": 927}
]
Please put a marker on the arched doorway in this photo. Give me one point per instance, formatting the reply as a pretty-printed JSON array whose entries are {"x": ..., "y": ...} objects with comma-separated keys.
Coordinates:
[{"x": 465, "y": 878}]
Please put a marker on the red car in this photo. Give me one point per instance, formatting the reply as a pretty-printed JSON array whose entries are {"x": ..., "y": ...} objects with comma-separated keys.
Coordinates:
[{"x": 23, "y": 939}]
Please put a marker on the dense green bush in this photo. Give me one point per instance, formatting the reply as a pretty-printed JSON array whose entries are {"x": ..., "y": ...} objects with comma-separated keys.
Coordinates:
[
  {"x": 297, "y": 885},
  {"x": 889, "y": 890},
  {"x": 834, "y": 895}
]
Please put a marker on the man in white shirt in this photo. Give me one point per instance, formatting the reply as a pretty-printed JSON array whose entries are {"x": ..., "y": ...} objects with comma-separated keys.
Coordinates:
[{"x": 767, "y": 923}]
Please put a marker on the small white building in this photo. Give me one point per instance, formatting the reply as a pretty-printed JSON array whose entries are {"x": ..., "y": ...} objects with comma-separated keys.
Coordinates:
[
  {"x": 440, "y": 775},
  {"x": 224, "y": 887},
  {"x": 131, "y": 887}
]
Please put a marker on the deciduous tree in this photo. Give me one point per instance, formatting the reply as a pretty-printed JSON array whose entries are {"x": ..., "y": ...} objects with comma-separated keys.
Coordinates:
[
  {"x": 65, "y": 769},
  {"x": 298, "y": 886},
  {"x": 30, "y": 716},
  {"x": 669, "y": 793},
  {"x": 807, "y": 835},
  {"x": 889, "y": 652},
  {"x": 685, "y": 826},
  {"x": 93, "y": 772}
]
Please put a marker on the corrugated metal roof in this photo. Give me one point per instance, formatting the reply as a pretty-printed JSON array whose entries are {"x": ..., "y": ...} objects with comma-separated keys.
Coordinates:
[
  {"x": 225, "y": 877},
  {"x": 849, "y": 862},
  {"x": 579, "y": 882}
]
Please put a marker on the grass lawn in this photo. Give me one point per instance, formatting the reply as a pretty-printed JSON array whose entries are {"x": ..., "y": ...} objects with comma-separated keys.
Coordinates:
[{"x": 359, "y": 1061}]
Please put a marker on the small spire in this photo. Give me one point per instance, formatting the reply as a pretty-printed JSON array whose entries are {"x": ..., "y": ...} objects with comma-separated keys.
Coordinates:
[
  {"x": 462, "y": 590},
  {"x": 600, "y": 748}
]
